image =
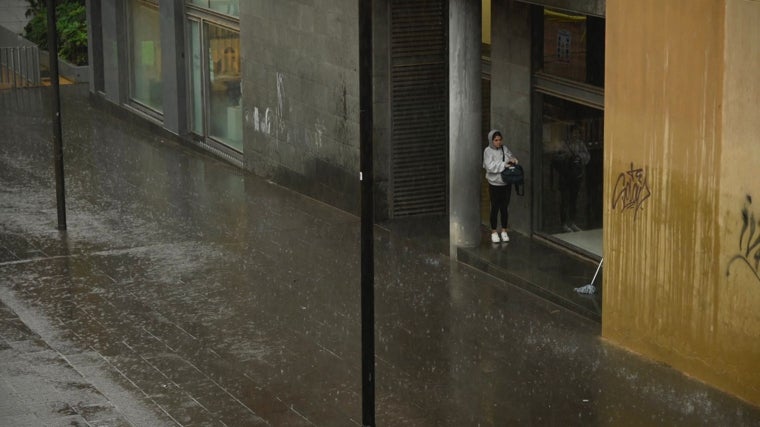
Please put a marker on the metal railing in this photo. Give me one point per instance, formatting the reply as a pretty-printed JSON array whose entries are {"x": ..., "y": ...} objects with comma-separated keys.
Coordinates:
[{"x": 19, "y": 66}]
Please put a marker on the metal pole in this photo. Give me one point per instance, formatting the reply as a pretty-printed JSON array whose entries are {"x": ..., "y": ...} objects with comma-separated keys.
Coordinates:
[
  {"x": 22, "y": 54},
  {"x": 2, "y": 65},
  {"x": 366, "y": 176},
  {"x": 13, "y": 67},
  {"x": 58, "y": 143},
  {"x": 599, "y": 267},
  {"x": 36, "y": 60}
]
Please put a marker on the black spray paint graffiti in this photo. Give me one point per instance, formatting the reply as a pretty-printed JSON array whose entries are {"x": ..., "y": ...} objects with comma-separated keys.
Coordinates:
[
  {"x": 631, "y": 190},
  {"x": 749, "y": 242}
]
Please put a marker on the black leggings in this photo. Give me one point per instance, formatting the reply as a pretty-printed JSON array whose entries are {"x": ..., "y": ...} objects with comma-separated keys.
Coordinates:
[{"x": 499, "y": 204}]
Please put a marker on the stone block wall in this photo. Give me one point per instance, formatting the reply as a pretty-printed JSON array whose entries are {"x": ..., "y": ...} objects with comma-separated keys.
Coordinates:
[{"x": 301, "y": 96}]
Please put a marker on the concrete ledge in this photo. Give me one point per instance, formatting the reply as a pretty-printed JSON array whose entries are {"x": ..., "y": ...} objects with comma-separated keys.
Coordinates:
[
  {"x": 541, "y": 270},
  {"x": 9, "y": 38},
  {"x": 75, "y": 73}
]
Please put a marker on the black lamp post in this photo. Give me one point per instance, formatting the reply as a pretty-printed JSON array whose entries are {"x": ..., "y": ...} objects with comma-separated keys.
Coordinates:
[
  {"x": 367, "y": 213},
  {"x": 58, "y": 143}
]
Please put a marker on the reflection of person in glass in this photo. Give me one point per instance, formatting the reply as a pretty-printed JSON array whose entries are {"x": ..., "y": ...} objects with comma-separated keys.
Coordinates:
[{"x": 570, "y": 161}]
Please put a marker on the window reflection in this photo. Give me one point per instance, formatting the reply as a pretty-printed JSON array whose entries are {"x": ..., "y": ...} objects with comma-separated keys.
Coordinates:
[
  {"x": 572, "y": 159},
  {"x": 227, "y": 7},
  {"x": 573, "y": 47},
  {"x": 225, "y": 111},
  {"x": 145, "y": 55}
]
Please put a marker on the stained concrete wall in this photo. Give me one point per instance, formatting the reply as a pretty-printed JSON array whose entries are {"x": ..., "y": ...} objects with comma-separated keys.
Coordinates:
[
  {"x": 681, "y": 158},
  {"x": 738, "y": 299},
  {"x": 510, "y": 94},
  {"x": 301, "y": 96}
]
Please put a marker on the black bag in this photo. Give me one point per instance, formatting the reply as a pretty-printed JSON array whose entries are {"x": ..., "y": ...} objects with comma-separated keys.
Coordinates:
[{"x": 513, "y": 175}]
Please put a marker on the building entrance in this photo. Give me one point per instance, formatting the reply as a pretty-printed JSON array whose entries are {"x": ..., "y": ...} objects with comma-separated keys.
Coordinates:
[
  {"x": 568, "y": 130},
  {"x": 215, "y": 89},
  {"x": 214, "y": 71},
  {"x": 571, "y": 153}
]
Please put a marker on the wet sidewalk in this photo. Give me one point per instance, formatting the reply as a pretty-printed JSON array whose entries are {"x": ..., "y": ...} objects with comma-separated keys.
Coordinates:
[
  {"x": 540, "y": 269},
  {"x": 187, "y": 292},
  {"x": 39, "y": 386}
]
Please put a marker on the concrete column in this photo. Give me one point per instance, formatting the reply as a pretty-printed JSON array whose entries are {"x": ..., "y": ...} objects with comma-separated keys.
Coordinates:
[
  {"x": 465, "y": 154},
  {"x": 173, "y": 67}
]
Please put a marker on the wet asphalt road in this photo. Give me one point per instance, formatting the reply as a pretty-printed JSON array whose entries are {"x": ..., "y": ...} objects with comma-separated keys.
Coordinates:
[{"x": 186, "y": 292}]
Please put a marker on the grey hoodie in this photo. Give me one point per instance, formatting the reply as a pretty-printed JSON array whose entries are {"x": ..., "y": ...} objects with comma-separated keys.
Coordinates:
[{"x": 494, "y": 161}]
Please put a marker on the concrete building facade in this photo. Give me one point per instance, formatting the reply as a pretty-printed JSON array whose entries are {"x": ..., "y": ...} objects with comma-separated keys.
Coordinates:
[{"x": 635, "y": 125}]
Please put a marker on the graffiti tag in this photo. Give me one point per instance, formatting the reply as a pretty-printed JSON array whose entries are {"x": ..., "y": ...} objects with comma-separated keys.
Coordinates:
[
  {"x": 631, "y": 190},
  {"x": 749, "y": 241}
]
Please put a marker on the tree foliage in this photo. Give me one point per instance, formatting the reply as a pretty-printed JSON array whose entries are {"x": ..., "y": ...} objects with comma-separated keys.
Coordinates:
[{"x": 71, "y": 26}]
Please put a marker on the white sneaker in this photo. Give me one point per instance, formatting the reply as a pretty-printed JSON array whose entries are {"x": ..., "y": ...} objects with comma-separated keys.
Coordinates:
[
  {"x": 575, "y": 227},
  {"x": 495, "y": 237},
  {"x": 504, "y": 236}
]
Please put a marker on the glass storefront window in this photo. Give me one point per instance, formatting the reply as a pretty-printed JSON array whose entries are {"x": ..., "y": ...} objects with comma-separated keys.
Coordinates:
[
  {"x": 227, "y": 7},
  {"x": 225, "y": 111},
  {"x": 145, "y": 55},
  {"x": 571, "y": 173},
  {"x": 215, "y": 84},
  {"x": 573, "y": 47}
]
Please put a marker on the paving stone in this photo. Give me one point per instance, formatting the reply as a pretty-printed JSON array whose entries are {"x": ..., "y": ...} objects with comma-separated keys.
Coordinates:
[{"x": 188, "y": 292}]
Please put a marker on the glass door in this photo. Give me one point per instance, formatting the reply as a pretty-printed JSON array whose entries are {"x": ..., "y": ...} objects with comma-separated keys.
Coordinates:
[
  {"x": 215, "y": 84},
  {"x": 567, "y": 138},
  {"x": 145, "y": 55},
  {"x": 225, "y": 112},
  {"x": 572, "y": 155}
]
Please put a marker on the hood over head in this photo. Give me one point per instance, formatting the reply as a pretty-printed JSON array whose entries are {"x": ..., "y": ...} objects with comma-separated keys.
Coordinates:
[{"x": 491, "y": 136}]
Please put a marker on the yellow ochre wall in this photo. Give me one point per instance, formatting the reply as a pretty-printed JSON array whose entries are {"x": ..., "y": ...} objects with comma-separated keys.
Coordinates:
[
  {"x": 486, "y": 22},
  {"x": 682, "y": 161}
]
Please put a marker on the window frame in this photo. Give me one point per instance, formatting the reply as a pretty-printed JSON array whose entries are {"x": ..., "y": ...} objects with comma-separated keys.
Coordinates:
[
  {"x": 204, "y": 17},
  {"x": 131, "y": 100}
]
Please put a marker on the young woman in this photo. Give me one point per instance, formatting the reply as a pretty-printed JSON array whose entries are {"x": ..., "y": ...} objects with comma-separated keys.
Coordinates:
[{"x": 496, "y": 157}]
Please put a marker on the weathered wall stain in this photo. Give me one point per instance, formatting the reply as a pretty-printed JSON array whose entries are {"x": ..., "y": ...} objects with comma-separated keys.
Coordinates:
[
  {"x": 690, "y": 121},
  {"x": 261, "y": 122},
  {"x": 282, "y": 105},
  {"x": 631, "y": 190},
  {"x": 267, "y": 120},
  {"x": 274, "y": 121},
  {"x": 749, "y": 241}
]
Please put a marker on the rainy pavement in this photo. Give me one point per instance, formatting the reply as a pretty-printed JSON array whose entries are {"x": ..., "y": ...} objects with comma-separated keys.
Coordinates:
[{"x": 187, "y": 292}]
